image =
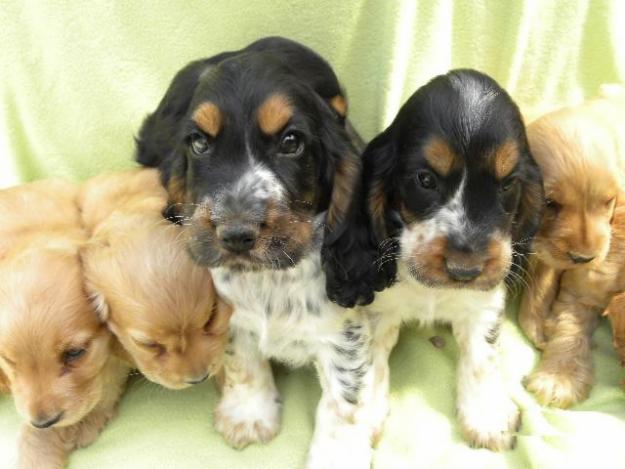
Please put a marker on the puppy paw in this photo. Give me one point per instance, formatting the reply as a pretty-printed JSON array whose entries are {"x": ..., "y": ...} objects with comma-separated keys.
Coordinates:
[
  {"x": 490, "y": 421},
  {"x": 558, "y": 389},
  {"x": 244, "y": 417}
]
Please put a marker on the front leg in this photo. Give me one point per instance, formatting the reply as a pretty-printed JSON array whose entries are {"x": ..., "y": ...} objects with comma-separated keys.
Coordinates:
[
  {"x": 42, "y": 448},
  {"x": 564, "y": 375},
  {"x": 250, "y": 408},
  {"x": 488, "y": 416},
  {"x": 537, "y": 300},
  {"x": 616, "y": 313},
  {"x": 343, "y": 427}
]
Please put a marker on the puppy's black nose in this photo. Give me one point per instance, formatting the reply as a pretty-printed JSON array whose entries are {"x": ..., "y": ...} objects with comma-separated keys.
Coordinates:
[
  {"x": 461, "y": 273},
  {"x": 45, "y": 421},
  {"x": 238, "y": 239},
  {"x": 198, "y": 381},
  {"x": 579, "y": 259}
]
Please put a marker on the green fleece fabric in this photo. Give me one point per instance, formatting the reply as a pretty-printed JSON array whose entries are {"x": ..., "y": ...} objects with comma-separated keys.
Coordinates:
[{"x": 77, "y": 78}]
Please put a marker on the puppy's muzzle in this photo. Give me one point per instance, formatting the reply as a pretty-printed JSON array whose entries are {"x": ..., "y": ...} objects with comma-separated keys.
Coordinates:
[
  {"x": 46, "y": 421},
  {"x": 464, "y": 259},
  {"x": 237, "y": 238}
]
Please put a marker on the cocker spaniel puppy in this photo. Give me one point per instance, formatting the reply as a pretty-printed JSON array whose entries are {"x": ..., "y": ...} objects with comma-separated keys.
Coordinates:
[
  {"x": 159, "y": 304},
  {"x": 253, "y": 149},
  {"x": 454, "y": 197},
  {"x": 56, "y": 356},
  {"x": 581, "y": 151}
]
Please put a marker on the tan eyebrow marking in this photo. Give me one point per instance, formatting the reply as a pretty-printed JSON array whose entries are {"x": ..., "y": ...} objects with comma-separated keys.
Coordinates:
[
  {"x": 208, "y": 118},
  {"x": 339, "y": 104},
  {"x": 504, "y": 158},
  {"x": 440, "y": 156},
  {"x": 274, "y": 113}
]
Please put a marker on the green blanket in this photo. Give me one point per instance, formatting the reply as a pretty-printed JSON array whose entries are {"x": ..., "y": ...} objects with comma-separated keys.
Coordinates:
[{"x": 77, "y": 78}]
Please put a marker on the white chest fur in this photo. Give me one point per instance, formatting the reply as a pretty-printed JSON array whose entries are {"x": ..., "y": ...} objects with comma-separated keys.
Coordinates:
[
  {"x": 287, "y": 310},
  {"x": 409, "y": 300}
]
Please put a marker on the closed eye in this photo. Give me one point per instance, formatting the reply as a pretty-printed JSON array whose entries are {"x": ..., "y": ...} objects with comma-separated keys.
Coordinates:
[{"x": 155, "y": 346}]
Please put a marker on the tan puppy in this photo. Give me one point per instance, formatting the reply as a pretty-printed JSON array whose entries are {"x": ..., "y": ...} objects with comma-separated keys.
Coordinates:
[
  {"x": 580, "y": 151},
  {"x": 55, "y": 354},
  {"x": 162, "y": 307}
]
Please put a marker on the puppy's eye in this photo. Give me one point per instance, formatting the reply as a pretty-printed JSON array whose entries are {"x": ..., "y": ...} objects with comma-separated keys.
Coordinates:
[
  {"x": 553, "y": 205},
  {"x": 200, "y": 144},
  {"x": 427, "y": 180},
  {"x": 155, "y": 346},
  {"x": 291, "y": 145},
  {"x": 508, "y": 184},
  {"x": 72, "y": 355}
]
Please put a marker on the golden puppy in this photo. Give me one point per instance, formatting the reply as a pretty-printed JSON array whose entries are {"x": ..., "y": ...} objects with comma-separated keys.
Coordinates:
[
  {"x": 580, "y": 151},
  {"x": 162, "y": 307},
  {"x": 55, "y": 354}
]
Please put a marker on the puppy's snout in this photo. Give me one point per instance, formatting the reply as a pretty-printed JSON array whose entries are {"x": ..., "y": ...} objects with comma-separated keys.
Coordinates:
[
  {"x": 579, "y": 258},
  {"x": 238, "y": 239},
  {"x": 462, "y": 273},
  {"x": 46, "y": 420},
  {"x": 198, "y": 380}
]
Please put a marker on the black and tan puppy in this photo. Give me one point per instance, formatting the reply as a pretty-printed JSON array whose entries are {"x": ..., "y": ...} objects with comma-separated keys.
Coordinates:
[
  {"x": 254, "y": 152},
  {"x": 454, "y": 197}
]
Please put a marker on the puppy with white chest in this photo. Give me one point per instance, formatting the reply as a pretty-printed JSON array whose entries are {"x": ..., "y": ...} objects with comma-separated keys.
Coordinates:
[
  {"x": 453, "y": 197},
  {"x": 57, "y": 357},
  {"x": 253, "y": 149},
  {"x": 162, "y": 307}
]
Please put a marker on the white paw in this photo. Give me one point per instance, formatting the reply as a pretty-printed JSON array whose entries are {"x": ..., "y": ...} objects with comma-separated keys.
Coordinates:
[
  {"x": 347, "y": 447},
  {"x": 246, "y": 415},
  {"x": 558, "y": 389},
  {"x": 489, "y": 419}
]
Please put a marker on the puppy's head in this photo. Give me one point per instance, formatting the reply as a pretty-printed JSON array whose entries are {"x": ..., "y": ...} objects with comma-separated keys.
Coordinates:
[
  {"x": 257, "y": 153},
  {"x": 53, "y": 347},
  {"x": 162, "y": 307},
  {"x": 453, "y": 183},
  {"x": 577, "y": 150}
]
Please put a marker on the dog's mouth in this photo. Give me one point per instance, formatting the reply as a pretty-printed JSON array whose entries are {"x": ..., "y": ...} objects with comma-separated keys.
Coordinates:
[
  {"x": 559, "y": 258},
  {"x": 435, "y": 264},
  {"x": 250, "y": 246}
]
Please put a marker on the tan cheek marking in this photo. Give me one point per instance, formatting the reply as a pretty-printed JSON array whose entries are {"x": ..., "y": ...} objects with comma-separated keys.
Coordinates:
[
  {"x": 440, "y": 156},
  {"x": 176, "y": 190},
  {"x": 339, "y": 104},
  {"x": 208, "y": 118},
  {"x": 274, "y": 113},
  {"x": 504, "y": 159}
]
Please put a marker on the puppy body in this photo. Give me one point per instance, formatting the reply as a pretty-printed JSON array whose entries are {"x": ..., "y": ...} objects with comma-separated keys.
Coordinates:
[
  {"x": 454, "y": 196},
  {"x": 161, "y": 306},
  {"x": 581, "y": 151},
  {"x": 255, "y": 153},
  {"x": 55, "y": 353}
]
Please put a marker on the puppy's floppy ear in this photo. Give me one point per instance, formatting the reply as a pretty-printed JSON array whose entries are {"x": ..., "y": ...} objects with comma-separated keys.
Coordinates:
[
  {"x": 97, "y": 299},
  {"x": 158, "y": 137},
  {"x": 349, "y": 251},
  {"x": 530, "y": 210}
]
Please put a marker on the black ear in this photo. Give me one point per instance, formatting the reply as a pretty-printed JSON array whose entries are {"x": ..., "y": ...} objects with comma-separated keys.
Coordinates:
[
  {"x": 530, "y": 210},
  {"x": 157, "y": 137},
  {"x": 157, "y": 142},
  {"x": 350, "y": 252}
]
